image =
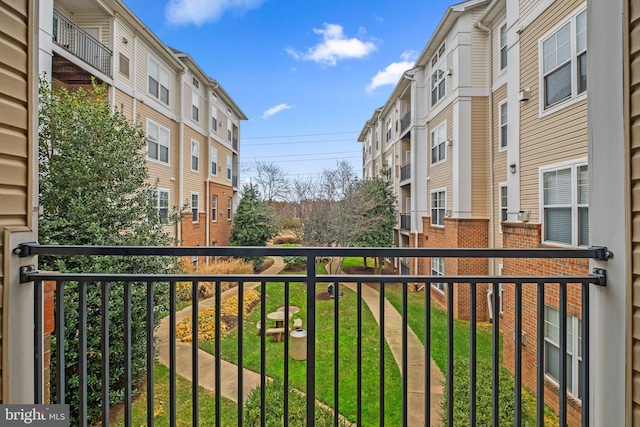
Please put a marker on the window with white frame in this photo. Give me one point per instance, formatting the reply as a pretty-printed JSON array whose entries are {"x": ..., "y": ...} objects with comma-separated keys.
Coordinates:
[
  {"x": 195, "y": 204},
  {"x": 158, "y": 81},
  {"x": 213, "y": 155},
  {"x": 195, "y": 106},
  {"x": 438, "y": 143},
  {"x": 437, "y": 269},
  {"x": 564, "y": 61},
  {"x": 438, "y": 75},
  {"x": 389, "y": 168},
  {"x": 160, "y": 201},
  {"x": 229, "y": 167},
  {"x": 228, "y": 130},
  {"x": 503, "y": 124},
  {"x": 195, "y": 82},
  {"x": 565, "y": 203},
  {"x": 214, "y": 124},
  {"x": 214, "y": 208},
  {"x": 229, "y": 205},
  {"x": 503, "y": 202},
  {"x": 388, "y": 130},
  {"x": 552, "y": 349},
  {"x": 195, "y": 155},
  {"x": 503, "y": 47},
  {"x": 438, "y": 207},
  {"x": 157, "y": 142}
]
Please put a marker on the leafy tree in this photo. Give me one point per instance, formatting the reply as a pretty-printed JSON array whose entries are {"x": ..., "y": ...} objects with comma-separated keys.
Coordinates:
[
  {"x": 253, "y": 223},
  {"x": 94, "y": 191}
]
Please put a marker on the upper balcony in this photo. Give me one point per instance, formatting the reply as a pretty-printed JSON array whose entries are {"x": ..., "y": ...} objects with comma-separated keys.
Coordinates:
[
  {"x": 77, "y": 41},
  {"x": 405, "y": 122},
  {"x": 405, "y": 221},
  {"x": 405, "y": 173}
]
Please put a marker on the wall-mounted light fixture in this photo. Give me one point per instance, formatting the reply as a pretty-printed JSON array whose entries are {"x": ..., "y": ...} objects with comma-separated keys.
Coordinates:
[
  {"x": 512, "y": 168},
  {"x": 125, "y": 40},
  {"x": 523, "y": 95}
]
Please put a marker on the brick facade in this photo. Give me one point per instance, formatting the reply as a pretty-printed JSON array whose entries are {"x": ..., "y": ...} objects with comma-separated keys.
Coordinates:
[
  {"x": 526, "y": 235},
  {"x": 460, "y": 233}
]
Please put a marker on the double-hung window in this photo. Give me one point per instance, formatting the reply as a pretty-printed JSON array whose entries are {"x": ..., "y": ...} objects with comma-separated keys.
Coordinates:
[
  {"x": 229, "y": 167},
  {"x": 438, "y": 207},
  {"x": 503, "y": 47},
  {"x": 552, "y": 349},
  {"x": 195, "y": 106},
  {"x": 564, "y": 61},
  {"x": 388, "y": 130},
  {"x": 195, "y": 155},
  {"x": 195, "y": 204},
  {"x": 213, "y": 154},
  {"x": 229, "y": 205},
  {"x": 160, "y": 201},
  {"x": 438, "y": 76},
  {"x": 157, "y": 142},
  {"x": 438, "y": 143},
  {"x": 503, "y": 124},
  {"x": 158, "y": 81},
  {"x": 565, "y": 204},
  {"x": 503, "y": 202},
  {"x": 214, "y": 208},
  {"x": 437, "y": 269}
]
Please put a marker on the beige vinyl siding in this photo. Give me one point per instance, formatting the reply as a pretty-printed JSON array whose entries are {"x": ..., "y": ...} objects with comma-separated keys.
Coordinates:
[
  {"x": 186, "y": 101},
  {"x": 127, "y": 49},
  {"x": 142, "y": 79},
  {"x": 193, "y": 181},
  {"x": 15, "y": 131},
  {"x": 449, "y": 79},
  {"x": 95, "y": 20},
  {"x": 499, "y": 163},
  {"x": 634, "y": 155},
  {"x": 527, "y": 6},
  {"x": 479, "y": 54},
  {"x": 554, "y": 138},
  {"x": 495, "y": 45},
  {"x": 479, "y": 156},
  {"x": 441, "y": 175},
  {"x": 124, "y": 103}
]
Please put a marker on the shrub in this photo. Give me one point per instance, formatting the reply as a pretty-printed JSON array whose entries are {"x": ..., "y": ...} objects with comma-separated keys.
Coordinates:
[
  {"x": 274, "y": 394},
  {"x": 207, "y": 289}
]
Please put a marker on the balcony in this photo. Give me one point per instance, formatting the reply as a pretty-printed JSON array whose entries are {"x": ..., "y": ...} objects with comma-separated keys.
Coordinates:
[
  {"x": 68, "y": 35},
  {"x": 418, "y": 395},
  {"x": 405, "y": 172},
  {"x": 234, "y": 181},
  {"x": 405, "y": 121},
  {"x": 235, "y": 143},
  {"x": 405, "y": 221}
]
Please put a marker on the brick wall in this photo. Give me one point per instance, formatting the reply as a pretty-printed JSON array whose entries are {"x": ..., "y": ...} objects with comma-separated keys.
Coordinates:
[
  {"x": 460, "y": 233},
  {"x": 526, "y": 235}
]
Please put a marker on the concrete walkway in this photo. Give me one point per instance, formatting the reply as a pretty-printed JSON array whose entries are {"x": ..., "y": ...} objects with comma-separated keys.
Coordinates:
[{"x": 393, "y": 336}]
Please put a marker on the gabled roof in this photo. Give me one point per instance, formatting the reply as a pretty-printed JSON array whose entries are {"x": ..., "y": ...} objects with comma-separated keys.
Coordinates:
[{"x": 369, "y": 123}]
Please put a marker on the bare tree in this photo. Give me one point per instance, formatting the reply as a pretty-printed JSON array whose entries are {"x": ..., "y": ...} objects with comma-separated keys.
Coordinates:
[{"x": 272, "y": 181}]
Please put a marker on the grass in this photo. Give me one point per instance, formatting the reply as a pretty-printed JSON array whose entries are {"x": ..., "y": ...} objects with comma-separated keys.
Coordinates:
[
  {"x": 324, "y": 354},
  {"x": 229, "y": 411},
  {"x": 357, "y": 262}
]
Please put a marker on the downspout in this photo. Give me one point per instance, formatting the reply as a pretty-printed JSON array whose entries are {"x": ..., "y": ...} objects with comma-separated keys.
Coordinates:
[
  {"x": 479, "y": 26},
  {"x": 413, "y": 199},
  {"x": 181, "y": 155}
]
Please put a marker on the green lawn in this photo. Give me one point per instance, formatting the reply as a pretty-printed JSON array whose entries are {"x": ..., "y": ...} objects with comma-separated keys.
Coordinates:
[{"x": 324, "y": 354}]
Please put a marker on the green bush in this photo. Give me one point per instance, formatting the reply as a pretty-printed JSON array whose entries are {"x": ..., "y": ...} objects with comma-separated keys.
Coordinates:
[{"x": 274, "y": 395}]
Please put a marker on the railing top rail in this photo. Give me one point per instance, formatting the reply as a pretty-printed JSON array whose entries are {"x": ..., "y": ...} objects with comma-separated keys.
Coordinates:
[
  {"x": 594, "y": 252},
  {"x": 76, "y": 27}
]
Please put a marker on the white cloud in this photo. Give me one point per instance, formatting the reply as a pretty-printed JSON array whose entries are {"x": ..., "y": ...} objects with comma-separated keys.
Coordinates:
[
  {"x": 198, "y": 12},
  {"x": 334, "y": 46},
  {"x": 275, "y": 110},
  {"x": 392, "y": 73}
]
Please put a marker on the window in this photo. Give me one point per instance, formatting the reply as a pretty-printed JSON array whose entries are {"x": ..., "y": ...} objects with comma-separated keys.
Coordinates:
[
  {"x": 503, "y": 47},
  {"x": 229, "y": 201},
  {"x": 388, "y": 130},
  {"x": 157, "y": 142},
  {"x": 552, "y": 349},
  {"x": 214, "y": 208},
  {"x": 503, "y": 124},
  {"x": 229, "y": 168},
  {"x": 437, "y": 269},
  {"x": 194, "y": 206},
  {"x": 214, "y": 124},
  {"x": 564, "y": 61},
  {"x": 565, "y": 201},
  {"x": 503, "y": 202},
  {"x": 195, "y": 155},
  {"x": 160, "y": 200},
  {"x": 438, "y": 206},
  {"x": 228, "y": 130},
  {"x": 195, "y": 82},
  {"x": 438, "y": 143},
  {"x": 158, "y": 81},
  {"x": 195, "y": 104},
  {"x": 123, "y": 65},
  {"x": 213, "y": 154},
  {"x": 438, "y": 75}
]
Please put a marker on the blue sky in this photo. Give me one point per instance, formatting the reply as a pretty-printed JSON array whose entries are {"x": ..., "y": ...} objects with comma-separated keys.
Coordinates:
[{"x": 307, "y": 73}]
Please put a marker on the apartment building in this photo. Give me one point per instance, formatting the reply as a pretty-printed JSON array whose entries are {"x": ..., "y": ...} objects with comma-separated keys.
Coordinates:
[
  {"x": 192, "y": 124},
  {"x": 496, "y": 155}
]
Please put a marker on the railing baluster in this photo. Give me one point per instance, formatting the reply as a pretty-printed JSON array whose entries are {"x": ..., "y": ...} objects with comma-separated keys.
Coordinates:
[
  {"x": 82, "y": 363},
  {"x": 495, "y": 358},
  {"x": 263, "y": 352},
  {"x": 150, "y": 352},
  {"x": 195, "y": 364},
  {"x": 563, "y": 354},
  {"x": 127, "y": 354},
  {"x": 38, "y": 385},
  {"x": 311, "y": 340},
  {"x": 472, "y": 347},
  {"x": 218, "y": 380},
  {"x": 172, "y": 354},
  {"x": 405, "y": 370},
  {"x": 105, "y": 353},
  {"x": 450, "y": 353},
  {"x": 286, "y": 355},
  {"x": 60, "y": 343},
  {"x": 540, "y": 357},
  {"x": 517, "y": 413},
  {"x": 240, "y": 353},
  {"x": 427, "y": 350},
  {"x": 382, "y": 348},
  {"x": 359, "y": 354},
  {"x": 336, "y": 349},
  {"x": 584, "y": 371}
]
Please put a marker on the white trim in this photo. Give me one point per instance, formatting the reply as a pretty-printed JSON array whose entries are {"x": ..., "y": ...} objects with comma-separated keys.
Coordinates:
[
  {"x": 443, "y": 208},
  {"x": 573, "y": 322},
  {"x": 197, "y": 156},
  {"x": 439, "y": 286},
  {"x": 168, "y": 146},
  {"x": 214, "y": 217},
  {"x": 502, "y": 185},
  {"x": 431, "y": 131},
  {"x": 161, "y": 68},
  {"x": 213, "y": 171},
  {"x": 502, "y": 147},
  {"x": 195, "y": 193},
  {"x": 229, "y": 171},
  {"x": 157, "y": 192}
]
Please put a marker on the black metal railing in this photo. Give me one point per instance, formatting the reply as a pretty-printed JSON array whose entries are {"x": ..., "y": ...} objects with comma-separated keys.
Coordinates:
[
  {"x": 70, "y": 36},
  {"x": 405, "y": 171},
  {"x": 234, "y": 181},
  {"x": 313, "y": 256},
  {"x": 405, "y": 121},
  {"x": 405, "y": 221},
  {"x": 235, "y": 143}
]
